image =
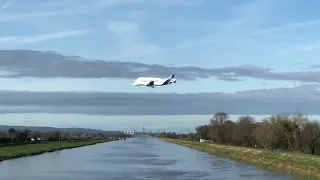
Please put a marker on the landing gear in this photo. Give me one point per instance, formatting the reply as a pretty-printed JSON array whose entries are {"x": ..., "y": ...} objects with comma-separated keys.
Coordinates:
[{"x": 151, "y": 84}]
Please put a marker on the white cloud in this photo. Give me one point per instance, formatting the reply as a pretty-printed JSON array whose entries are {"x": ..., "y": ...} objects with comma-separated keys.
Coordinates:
[
  {"x": 61, "y": 8},
  {"x": 246, "y": 25},
  {"x": 109, "y": 3},
  {"x": 307, "y": 47},
  {"x": 289, "y": 26},
  {"x": 130, "y": 35},
  {"x": 58, "y": 8},
  {"x": 135, "y": 45},
  {"x": 123, "y": 27},
  {"x": 6, "y": 5},
  {"x": 239, "y": 31},
  {"x": 131, "y": 40},
  {"x": 74, "y": 7},
  {"x": 22, "y": 40}
]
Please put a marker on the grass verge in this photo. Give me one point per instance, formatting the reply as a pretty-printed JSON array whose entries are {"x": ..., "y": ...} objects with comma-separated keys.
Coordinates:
[
  {"x": 11, "y": 152},
  {"x": 303, "y": 166}
]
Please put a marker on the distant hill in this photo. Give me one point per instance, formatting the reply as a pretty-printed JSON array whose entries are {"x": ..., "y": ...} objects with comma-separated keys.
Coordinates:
[{"x": 50, "y": 129}]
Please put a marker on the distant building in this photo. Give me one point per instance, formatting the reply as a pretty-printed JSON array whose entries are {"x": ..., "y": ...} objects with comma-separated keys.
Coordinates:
[
  {"x": 206, "y": 141},
  {"x": 129, "y": 132}
]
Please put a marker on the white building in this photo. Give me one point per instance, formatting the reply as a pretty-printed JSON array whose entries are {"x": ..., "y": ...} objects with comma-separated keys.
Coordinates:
[{"x": 129, "y": 132}]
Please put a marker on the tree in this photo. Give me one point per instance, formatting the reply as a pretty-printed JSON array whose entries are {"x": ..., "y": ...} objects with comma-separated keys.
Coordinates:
[
  {"x": 228, "y": 132},
  {"x": 289, "y": 128},
  {"x": 12, "y": 134},
  {"x": 22, "y": 136},
  {"x": 203, "y": 131},
  {"x": 243, "y": 131},
  {"x": 218, "y": 127},
  {"x": 311, "y": 133},
  {"x": 54, "y": 136},
  {"x": 290, "y": 132},
  {"x": 300, "y": 120},
  {"x": 219, "y": 118},
  {"x": 279, "y": 137},
  {"x": 264, "y": 134},
  {"x": 292, "y": 125}
]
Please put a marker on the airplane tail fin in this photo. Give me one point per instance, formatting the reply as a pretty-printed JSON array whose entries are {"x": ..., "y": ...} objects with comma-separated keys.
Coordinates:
[{"x": 172, "y": 76}]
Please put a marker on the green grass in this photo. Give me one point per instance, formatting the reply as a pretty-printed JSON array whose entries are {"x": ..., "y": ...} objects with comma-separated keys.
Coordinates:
[
  {"x": 301, "y": 165},
  {"x": 10, "y": 152}
]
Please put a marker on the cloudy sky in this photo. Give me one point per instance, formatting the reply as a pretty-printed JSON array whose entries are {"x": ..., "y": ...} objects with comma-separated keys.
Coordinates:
[{"x": 65, "y": 60}]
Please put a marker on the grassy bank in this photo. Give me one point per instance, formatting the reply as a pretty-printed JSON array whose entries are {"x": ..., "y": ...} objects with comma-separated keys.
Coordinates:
[
  {"x": 11, "y": 152},
  {"x": 304, "y": 166}
]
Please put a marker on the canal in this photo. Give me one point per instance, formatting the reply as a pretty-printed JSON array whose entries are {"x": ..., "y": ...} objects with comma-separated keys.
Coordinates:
[{"x": 136, "y": 158}]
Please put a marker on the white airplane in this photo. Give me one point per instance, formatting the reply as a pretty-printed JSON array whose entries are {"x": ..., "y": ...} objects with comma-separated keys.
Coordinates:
[{"x": 152, "y": 81}]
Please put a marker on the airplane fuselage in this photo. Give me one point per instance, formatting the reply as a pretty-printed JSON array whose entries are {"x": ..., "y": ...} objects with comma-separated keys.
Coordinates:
[{"x": 152, "y": 81}]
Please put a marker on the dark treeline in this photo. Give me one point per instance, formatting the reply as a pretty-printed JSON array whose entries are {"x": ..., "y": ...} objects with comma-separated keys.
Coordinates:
[
  {"x": 174, "y": 135},
  {"x": 16, "y": 136},
  {"x": 290, "y": 132}
]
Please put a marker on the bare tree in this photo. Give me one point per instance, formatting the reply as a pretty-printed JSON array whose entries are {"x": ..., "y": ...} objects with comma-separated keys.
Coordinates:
[
  {"x": 219, "y": 118},
  {"x": 12, "y": 134},
  {"x": 264, "y": 134},
  {"x": 243, "y": 131},
  {"x": 311, "y": 133},
  {"x": 203, "y": 131},
  {"x": 218, "y": 127},
  {"x": 282, "y": 131},
  {"x": 299, "y": 121}
]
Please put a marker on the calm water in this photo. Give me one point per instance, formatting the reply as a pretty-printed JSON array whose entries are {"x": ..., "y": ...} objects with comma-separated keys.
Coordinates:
[{"x": 138, "y": 158}]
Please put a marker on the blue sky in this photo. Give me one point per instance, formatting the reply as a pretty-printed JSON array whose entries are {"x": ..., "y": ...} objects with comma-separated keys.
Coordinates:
[
  {"x": 280, "y": 35},
  {"x": 203, "y": 33}
]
